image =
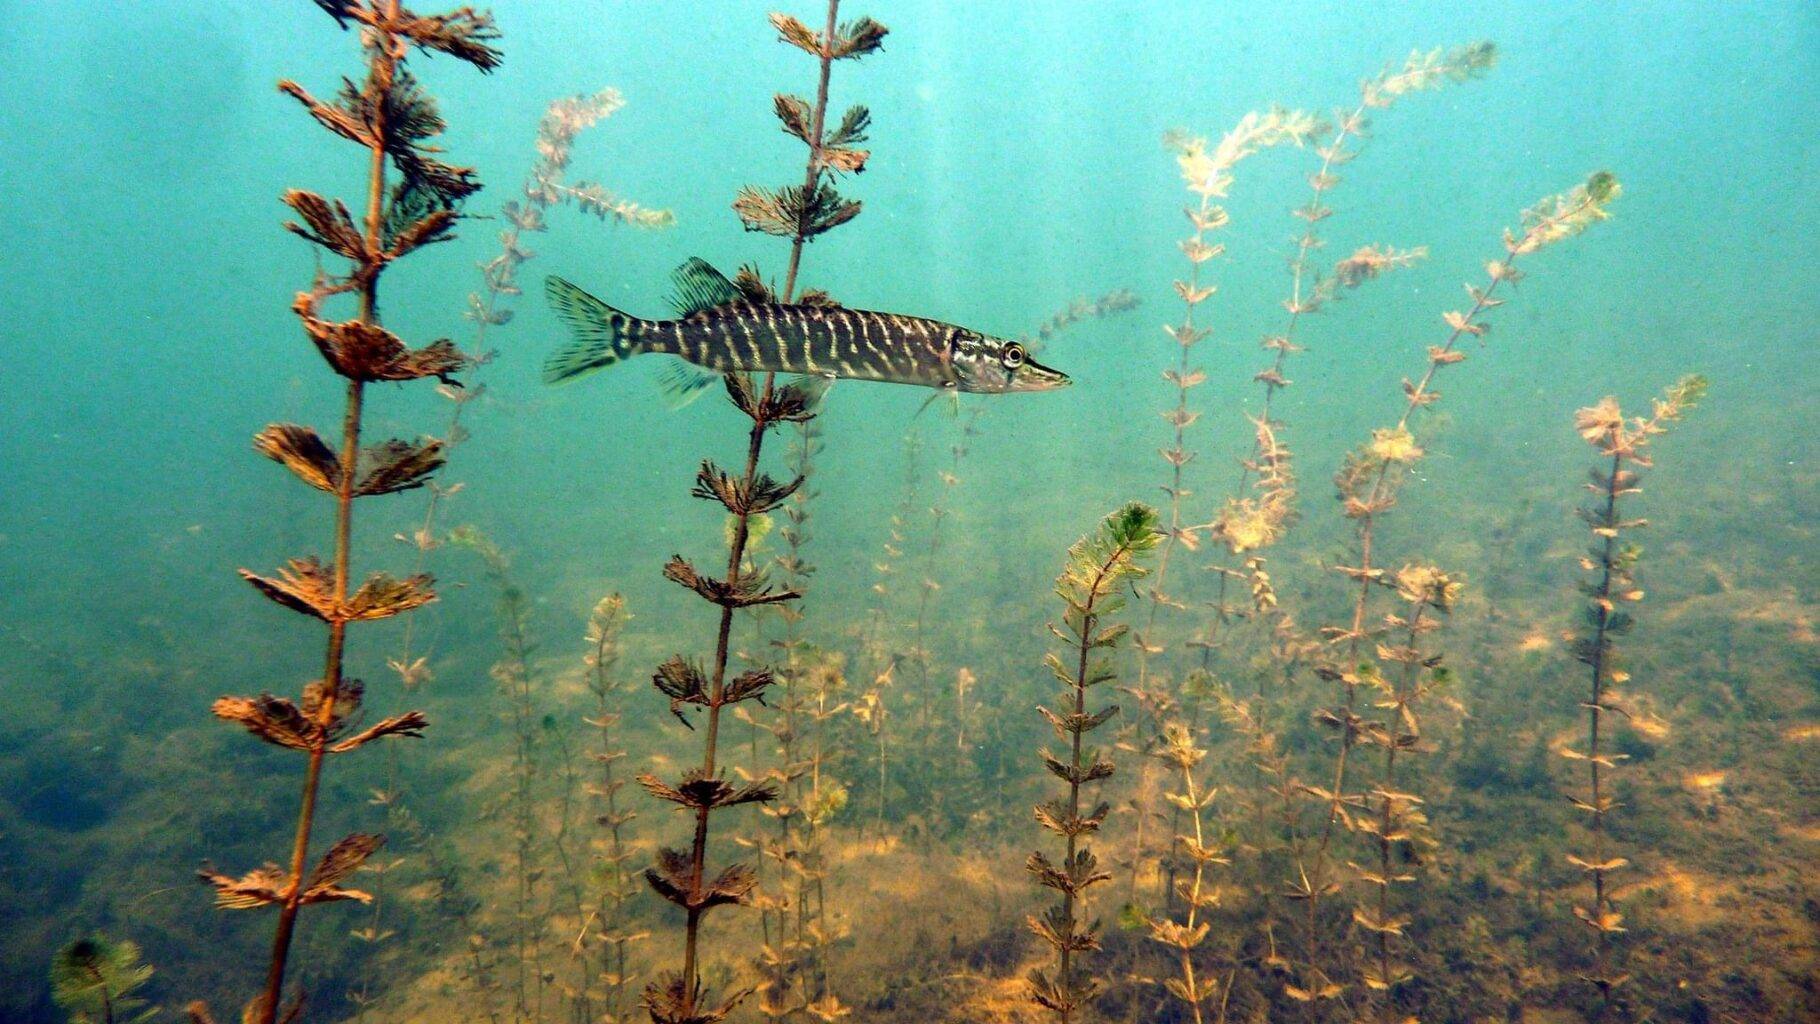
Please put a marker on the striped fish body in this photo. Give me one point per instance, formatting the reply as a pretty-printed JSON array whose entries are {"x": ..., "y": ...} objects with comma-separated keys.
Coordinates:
[
  {"x": 819, "y": 341},
  {"x": 723, "y": 330}
]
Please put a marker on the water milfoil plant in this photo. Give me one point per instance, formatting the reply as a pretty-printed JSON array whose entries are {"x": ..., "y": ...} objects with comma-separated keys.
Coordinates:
[
  {"x": 1367, "y": 484},
  {"x": 613, "y": 929},
  {"x": 95, "y": 980},
  {"x": 1610, "y": 587},
  {"x": 411, "y": 200},
  {"x": 799, "y": 213},
  {"x": 1091, "y": 586},
  {"x": 1207, "y": 171}
]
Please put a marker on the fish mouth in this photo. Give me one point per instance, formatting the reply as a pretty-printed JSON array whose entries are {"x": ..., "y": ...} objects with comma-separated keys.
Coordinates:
[{"x": 1037, "y": 377}]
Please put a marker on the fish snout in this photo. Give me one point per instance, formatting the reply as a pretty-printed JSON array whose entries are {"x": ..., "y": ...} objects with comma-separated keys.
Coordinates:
[{"x": 1034, "y": 376}]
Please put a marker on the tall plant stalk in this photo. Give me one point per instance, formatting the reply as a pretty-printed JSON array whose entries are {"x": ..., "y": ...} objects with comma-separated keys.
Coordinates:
[
  {"x": 882, "y": 657},
  {"x": 612, "y": 928},
  {"x": 517, "y": 683},
  {"x": 1367, "y": 483},
  {"x": 391, "y": 117},
  {"x": 1623, "y": 446},
  {"x": 1207, "y": 171},
  {"x": 799, "y": 213},
  {"x": 1397, "y": 821},
  {"x": 1098, "y": 566}
]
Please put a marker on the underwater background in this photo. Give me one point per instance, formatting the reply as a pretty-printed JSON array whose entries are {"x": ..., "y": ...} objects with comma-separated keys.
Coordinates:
[{"x": 1016, "y": 165}]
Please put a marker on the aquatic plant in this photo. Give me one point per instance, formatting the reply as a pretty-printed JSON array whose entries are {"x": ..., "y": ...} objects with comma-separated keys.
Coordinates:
[
  {"x": 1367, "y": 484},
  {"x": 1208, "y": 174},
  {"x": 1254, "y": 515},
  {"x": 1179, "y": 749},
  {"x": 1397, "y": 822},
  {"x": 390, "y": 116},
  {"x": 1090, "y": 586},
  {"x": 544, "y": 186},
  {"x": 93, "y": 980},
  {"x": 1623, "y": 446},
  {"x": 799, "y": 213},
  {"x": 966, "y": 428},
  {"x": 823, "y": 798},
  {"x": 512, "y": 673},
  {"x": 967, "y": 416},
  {"x": 880, "y": 656},
  {"x": 779, "y": 961},
  {"x": 613, "y": 924}
]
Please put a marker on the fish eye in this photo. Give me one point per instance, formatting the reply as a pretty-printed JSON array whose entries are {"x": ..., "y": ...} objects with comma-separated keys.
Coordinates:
[{"x": 1013, "y": 356}]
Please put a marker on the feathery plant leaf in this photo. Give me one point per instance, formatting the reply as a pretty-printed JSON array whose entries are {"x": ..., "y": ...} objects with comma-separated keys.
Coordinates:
[{"x": 93, "y": 978}]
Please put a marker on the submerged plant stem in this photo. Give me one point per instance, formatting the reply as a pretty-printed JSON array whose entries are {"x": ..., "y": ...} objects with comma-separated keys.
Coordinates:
[{"x": 382, "y": 67}]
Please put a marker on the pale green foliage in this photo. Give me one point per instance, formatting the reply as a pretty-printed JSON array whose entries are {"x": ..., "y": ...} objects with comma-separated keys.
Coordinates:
[
  {"x": 1431, "y": 70},
  {"x": 1681, "y": 396},
  {"x": 1103, "y": 559},
  {"x": 1208, "y": 171},
  {"x": 1563, "y": 216},
  {"x": 93, "y": 978}
]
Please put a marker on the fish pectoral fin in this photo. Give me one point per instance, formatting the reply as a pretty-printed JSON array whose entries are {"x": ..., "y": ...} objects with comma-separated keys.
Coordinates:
[
  {"x": 814, "y": 387},
  {"x": 682, "y": 382},
  {"x": 951, "y": 394},
  {"x": 699, "y": 286}
]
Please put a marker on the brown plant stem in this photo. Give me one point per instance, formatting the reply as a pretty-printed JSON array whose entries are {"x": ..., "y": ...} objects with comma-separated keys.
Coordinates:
[{"x": 382, "y": 66}]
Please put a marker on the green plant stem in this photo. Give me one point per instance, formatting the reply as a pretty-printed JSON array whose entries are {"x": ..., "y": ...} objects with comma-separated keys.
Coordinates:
[
  {"x": 1386, "y": 813},
  {"x": 1594, "y": 720}
]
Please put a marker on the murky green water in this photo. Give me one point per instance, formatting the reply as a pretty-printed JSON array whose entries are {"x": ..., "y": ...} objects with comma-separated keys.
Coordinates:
[{"x": 1016, "y": 165}]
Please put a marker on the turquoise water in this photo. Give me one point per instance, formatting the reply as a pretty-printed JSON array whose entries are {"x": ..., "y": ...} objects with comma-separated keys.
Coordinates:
[{"x": 1015, "y": 165}]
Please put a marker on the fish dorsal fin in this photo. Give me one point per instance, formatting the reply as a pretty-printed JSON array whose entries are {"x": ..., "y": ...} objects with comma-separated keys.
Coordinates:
[
  {"x": 818, "y": 298},
  {"x": 699, "y": 286}
]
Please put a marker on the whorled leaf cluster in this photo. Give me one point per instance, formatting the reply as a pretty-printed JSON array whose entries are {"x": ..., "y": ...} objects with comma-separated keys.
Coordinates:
[
  {"x": 1610, "y": 587},
  {"x": 801, "y": 212},
  {"x": 388, "y": 114},
  {"x": 1098, "y": 568}
]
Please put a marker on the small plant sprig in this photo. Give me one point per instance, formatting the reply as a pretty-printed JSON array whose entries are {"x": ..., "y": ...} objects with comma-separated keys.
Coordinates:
[
  {"x": 94, "y": 978},
  {"x": 1090, "y": 586},
  {"x": 1196, "y": 893},
  {"x": 613, "y": 923},
  {"x": 1610, "y": 585},
  {"x": 389, "y": 116}
]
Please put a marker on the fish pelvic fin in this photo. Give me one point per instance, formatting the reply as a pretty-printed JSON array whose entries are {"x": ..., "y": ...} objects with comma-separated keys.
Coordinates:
[
  {"x": 683, "y": 382},
  {"x": 602, "y": 335}
]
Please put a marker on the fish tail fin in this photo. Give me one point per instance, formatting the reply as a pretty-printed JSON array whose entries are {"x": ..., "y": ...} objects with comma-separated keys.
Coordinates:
[{"x": 603, "y": 335}]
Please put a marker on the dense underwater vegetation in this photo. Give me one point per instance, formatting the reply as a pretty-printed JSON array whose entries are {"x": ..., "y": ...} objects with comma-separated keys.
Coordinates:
[{"x": 1344, "y": 644}]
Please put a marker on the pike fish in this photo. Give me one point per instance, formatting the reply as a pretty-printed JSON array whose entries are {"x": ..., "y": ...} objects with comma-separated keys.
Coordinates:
[{"x": 720, "y": 330}]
